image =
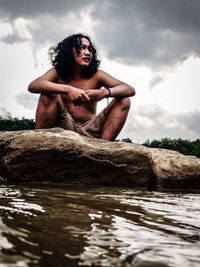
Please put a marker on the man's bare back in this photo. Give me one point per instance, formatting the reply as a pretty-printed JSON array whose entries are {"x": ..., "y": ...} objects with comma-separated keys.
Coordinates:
[{"x": 78, "y": 89}]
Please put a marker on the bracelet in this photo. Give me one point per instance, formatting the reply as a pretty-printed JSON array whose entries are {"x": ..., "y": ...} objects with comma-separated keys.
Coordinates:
[{"x": 109, "y": 92}]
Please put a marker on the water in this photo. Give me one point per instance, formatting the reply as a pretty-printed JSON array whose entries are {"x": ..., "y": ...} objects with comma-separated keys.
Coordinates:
[{"x": 57, "y": 226}]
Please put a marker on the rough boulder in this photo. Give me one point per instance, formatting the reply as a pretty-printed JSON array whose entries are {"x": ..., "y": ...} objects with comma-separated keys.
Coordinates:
[{"x": 60, "y": 156}]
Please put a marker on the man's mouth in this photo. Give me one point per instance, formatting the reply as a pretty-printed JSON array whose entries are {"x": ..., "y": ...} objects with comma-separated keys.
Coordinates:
[{"x": 86, "y": 59}]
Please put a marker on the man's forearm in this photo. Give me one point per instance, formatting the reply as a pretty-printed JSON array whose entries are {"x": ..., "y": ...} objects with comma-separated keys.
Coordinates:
[
  {"x": 47, "y": 87},
  {"x": 121, "y": 90},
  {"x": 73, "y": 94}
]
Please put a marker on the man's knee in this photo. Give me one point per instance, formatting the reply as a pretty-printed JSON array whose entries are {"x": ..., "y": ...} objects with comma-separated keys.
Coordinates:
[
  {"x": 49, "y": 99},
  {"x": 125, "y": 103}
]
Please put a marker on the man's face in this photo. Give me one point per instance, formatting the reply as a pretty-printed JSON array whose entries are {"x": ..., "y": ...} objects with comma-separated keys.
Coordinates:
[{"x": 85, "y": 57}]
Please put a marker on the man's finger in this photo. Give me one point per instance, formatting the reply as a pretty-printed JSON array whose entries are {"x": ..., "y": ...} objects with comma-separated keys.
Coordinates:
[{"x": 86, "y": 98}]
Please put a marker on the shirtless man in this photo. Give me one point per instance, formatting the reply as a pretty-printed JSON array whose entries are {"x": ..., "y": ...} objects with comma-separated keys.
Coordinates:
[{"x": 69, "y": 92}]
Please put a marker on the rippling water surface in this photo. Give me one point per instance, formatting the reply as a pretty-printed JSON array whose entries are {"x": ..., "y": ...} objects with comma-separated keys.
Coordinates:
[{"x": 58, "y": 226}]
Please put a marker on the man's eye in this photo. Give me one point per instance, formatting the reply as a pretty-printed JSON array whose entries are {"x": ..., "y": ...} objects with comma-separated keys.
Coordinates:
[{"x": 91, "y": 50}]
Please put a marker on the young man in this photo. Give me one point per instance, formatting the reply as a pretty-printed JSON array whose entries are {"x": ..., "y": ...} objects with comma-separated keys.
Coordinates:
[{"x": 69, "y": 92}]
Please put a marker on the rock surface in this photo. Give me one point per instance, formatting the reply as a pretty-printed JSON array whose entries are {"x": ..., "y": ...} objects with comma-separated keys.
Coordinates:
[{"x": 57, "y": 155}]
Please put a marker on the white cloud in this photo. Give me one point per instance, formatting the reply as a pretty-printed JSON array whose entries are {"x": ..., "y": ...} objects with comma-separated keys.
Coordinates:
[
  {"x": 155, "y": 122},
  {"x": 180, "y": 90},
  {"x": 5, "y": 29},
  {"x": 4, "y": 113},
  {"x": 27, "y": 100}
]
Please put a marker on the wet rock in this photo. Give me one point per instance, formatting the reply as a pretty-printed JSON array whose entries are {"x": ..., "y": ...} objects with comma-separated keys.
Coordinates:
[{"x": 57, "y": 155}]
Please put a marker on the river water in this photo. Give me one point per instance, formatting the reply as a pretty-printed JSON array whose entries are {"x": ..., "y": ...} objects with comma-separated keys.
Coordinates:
[{"x": 61, "y": 226}]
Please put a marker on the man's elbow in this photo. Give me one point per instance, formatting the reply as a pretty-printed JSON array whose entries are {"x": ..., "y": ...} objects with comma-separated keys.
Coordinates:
[{"x": 32, "y": 88}]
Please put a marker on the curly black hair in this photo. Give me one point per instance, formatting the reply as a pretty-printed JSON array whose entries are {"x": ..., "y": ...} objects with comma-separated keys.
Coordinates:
[{"x": 62, "y": 57}]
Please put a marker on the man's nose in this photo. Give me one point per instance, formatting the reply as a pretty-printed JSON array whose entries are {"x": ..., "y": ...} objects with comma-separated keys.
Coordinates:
[{"x": 87, "y": 51}]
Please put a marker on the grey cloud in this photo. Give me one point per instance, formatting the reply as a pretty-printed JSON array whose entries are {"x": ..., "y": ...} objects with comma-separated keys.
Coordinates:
[
  {"x": 4, "y": 113},
  {"x": 191, "y": 120},
  {"x": 30, "y": 9},
  {"x": 48, "y": 21},
  {"x": 13, "y": 38},
  {"x": 27, "y": 100},
  {"x": 154, "y": 122},
  {"x": 151, "y": 111},
  {"x": 157, "y": 33},
  {"x": 156, "y": 79}
]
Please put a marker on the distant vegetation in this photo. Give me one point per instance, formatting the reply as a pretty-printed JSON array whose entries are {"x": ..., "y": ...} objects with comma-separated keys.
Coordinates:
[
  {"x": 183, "y": 146},
  {"x": 15, "y": 124}
]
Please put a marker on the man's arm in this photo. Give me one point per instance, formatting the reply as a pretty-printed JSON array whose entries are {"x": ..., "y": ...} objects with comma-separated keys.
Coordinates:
[
  {"x": 47, "y": 84},
  {"x": 117, "y": 88}
]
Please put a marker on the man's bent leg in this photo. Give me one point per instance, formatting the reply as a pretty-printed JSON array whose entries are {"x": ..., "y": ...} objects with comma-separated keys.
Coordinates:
[
  {"x": 116, "y": 114},
  {"x": 48, "y": 108}
]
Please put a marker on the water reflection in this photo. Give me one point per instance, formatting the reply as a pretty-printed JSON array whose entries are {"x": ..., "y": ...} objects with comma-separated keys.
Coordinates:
[{"x": 97, "y": 227}]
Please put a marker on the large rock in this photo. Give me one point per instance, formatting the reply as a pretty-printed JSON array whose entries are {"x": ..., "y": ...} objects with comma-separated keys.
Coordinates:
[
  {"x": 57, "y": 155},
  {"x": 63, "y": 156},
  {"x": 174, "y": 170}
]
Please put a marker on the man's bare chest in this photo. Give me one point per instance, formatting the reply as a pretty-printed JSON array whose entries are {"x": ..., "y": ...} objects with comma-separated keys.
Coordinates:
[{"x": 84, "y": 84}]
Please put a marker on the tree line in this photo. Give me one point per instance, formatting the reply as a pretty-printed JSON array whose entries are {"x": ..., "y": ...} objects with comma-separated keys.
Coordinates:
[
  {"x": 16, "y": 124},
  {"x": 183, "y": 146}
]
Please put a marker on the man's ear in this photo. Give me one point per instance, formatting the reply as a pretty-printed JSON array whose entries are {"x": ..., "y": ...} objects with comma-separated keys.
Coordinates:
[{"x": 75, "y": 52}]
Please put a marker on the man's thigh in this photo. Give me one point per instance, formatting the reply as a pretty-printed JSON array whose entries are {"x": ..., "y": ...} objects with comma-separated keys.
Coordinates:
[
  {"x": 92, "y": 128},
  {"x": 65, "y": 121}
]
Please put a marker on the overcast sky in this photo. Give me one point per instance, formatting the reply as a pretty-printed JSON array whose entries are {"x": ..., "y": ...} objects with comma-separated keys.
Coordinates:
[{"x": 151, "y": 44}]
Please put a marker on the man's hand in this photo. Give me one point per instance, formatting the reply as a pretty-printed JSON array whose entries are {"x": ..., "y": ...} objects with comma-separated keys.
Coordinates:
[
  {"x": 96, "y": 95},
  {"x": 78, "y": 96}
]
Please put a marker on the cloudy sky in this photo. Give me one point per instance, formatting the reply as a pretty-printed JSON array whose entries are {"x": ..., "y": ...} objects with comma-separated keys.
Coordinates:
[{"x": 151, "y": 44}]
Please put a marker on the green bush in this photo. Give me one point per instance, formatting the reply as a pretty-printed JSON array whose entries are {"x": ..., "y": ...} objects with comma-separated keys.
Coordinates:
[
  {"x": 183, "y": 146},
  {"x": 16, "y": 124}
]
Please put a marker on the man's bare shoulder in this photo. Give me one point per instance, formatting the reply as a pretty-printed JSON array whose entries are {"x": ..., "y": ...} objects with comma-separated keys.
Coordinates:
[
  {"x": 51, "y": 75},
  {"x": 106, "y": 79},
  {"x": 100, "y": 73}
]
